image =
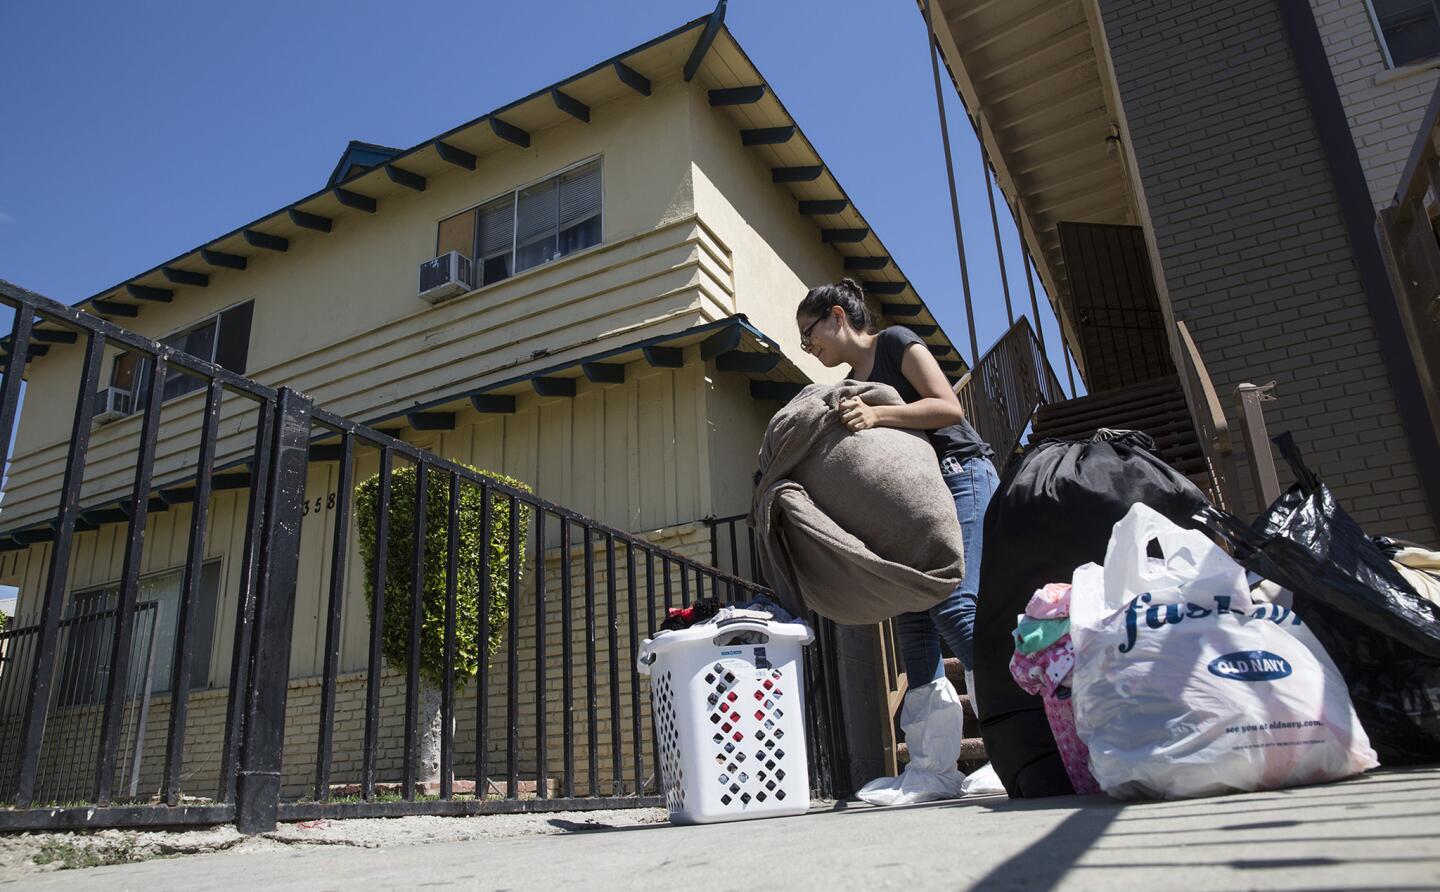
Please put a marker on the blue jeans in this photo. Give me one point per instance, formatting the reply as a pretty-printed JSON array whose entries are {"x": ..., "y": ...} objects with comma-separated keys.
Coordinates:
[{"x": 972, "y": 483}]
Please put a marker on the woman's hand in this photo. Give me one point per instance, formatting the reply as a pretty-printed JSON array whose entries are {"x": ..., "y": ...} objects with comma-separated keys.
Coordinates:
[{"x": 856, "y": 415}]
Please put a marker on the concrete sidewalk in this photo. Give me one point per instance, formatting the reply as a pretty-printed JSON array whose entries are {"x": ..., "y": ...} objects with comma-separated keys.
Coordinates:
[{"x": 1375, "y": 832}]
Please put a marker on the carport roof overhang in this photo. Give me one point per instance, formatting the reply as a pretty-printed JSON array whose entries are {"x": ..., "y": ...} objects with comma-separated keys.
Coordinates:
[{"x": 1036, "y": 80}]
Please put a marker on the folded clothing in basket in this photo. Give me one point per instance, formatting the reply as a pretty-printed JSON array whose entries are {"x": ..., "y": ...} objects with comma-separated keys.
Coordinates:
[
  {"x": 708, "y": 610},
  {"x": 685, "y": 617}
]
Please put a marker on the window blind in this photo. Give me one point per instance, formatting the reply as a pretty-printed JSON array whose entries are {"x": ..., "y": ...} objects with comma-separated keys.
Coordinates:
[
  {"x": 496, "y": 226},
  {"x": 536, "y": 216},
  {"x": 579, "y": 195}
]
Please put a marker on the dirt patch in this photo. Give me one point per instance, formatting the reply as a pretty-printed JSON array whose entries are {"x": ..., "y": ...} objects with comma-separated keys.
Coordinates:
[{"x": 29, "y": 853}]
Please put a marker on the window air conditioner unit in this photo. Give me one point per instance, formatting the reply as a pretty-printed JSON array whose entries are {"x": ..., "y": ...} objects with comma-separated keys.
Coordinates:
[
  {"x": 113, "y": 403},
  {"x": 445, "y": 276}
]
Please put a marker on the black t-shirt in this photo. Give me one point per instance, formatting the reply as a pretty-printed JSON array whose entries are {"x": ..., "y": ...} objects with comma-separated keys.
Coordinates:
[{"x": 959, "y": 440}]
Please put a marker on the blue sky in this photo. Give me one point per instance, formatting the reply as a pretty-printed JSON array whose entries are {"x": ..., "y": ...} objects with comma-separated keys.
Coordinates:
[{"x": 135, "y": 131}]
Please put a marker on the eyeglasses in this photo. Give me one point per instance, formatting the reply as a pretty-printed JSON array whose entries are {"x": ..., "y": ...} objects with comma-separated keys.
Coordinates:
[{"x": 805, "y": 334}]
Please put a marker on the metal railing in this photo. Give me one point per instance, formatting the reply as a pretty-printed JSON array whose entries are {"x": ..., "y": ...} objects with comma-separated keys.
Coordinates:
[
  {"x": 1209, "y": 418},
  {"x": 728, "y": 541},
  {"x": 602, "y": 758},
  {"x": 83, "y": 650},
  {"x": 736, "y": 551},
  {"x": 1001, "y": 393},
  {"x": 36, "y": 740},
  {"x": 1409, "y": 240}
]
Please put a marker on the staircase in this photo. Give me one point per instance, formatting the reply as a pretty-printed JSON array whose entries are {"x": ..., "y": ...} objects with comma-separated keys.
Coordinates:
[{"x": 1156, "y": 407}]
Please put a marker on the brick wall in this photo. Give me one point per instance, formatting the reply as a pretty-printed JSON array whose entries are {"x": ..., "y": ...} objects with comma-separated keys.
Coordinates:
[
  {"x": 71, "y": 746},
  {"x": 1385, "y": 106},
  {"x": 1253, "y": 248}
]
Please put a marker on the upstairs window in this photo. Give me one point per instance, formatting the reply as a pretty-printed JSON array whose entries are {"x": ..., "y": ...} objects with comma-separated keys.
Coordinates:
[
  {"x": 223, "y": 339},
  {"x": 199, "y": 342},
  {"x": 528, "y": 227},
  {"x": 1409, "y": 29}
]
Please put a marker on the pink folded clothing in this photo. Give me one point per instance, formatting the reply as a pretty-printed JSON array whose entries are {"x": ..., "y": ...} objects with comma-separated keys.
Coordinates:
[
  {"x": 1046, "y": 673},
  {"x": 1050, "y": 602},
  {"x": 1073, "y": 752}
]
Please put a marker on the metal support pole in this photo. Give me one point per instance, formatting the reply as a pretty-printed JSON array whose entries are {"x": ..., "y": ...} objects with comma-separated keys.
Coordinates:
[
  {"x": 1034, "y": 302},
  {"x": 263, "y": 735},
  {"x": 1069, "y": 369},
  {"x": 950, "y": 180},
  {"x": 995, "y": 225}
]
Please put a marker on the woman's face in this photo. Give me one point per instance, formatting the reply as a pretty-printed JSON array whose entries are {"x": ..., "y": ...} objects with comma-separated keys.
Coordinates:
[{"x": 818, "y": 336}]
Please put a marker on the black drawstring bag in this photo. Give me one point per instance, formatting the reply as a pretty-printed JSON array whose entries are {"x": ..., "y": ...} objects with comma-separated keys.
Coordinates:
[
  {"x": 1383, "y": 636},
  {"x": 1052, "y": 513}
]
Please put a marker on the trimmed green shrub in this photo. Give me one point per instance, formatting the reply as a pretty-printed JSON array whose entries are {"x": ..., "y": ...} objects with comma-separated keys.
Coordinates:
[{"x": 401, "y": 551}]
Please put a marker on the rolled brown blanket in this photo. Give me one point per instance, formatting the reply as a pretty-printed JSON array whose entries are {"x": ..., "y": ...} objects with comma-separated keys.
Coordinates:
[{"x": 857, "y": 526}]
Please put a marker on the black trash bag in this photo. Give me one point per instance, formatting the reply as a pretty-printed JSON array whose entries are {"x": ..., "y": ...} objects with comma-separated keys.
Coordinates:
[
  {"x": 1052, "y": 513},
  {"x": 1382, "y": 635}
]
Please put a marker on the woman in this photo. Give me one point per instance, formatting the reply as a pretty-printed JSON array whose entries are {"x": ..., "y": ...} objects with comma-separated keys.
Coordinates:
[{"x": 836, "y": 328}]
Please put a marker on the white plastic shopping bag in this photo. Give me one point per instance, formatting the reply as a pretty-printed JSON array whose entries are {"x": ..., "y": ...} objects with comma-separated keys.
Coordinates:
[{"x": 1183, "y": 687}]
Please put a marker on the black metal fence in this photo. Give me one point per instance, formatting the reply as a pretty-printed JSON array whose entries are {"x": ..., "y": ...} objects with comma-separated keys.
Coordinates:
[
  {"x": 85, "y": 663},
  {"x": 557, "y": 719}
]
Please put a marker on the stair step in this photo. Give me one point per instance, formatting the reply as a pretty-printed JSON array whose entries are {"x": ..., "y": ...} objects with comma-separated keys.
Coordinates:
[
  {"x": 1155, "y": 407},
  {"x": 1181, "y": 449},
  {"x": 1052, "y": 412},
  {"x": 1153, "y": 423},
  {"x": 1201, "y": 480},
  {"x": 955, "y": 671},
  {"x": 1133, "y": 394},
  {"x": 1154, "y": 384},
  {"x": 972, "y": 749},
  {"x": 1156, "y": 426},
  {"x": 1174, "y": 432},
  {"x": 1193, "y": 467}
]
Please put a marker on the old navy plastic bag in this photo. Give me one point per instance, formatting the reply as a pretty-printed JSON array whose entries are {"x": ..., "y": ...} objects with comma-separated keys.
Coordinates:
[
  {"x": 1183, "y": 687},
  {"x": 1383, "y": 636}
]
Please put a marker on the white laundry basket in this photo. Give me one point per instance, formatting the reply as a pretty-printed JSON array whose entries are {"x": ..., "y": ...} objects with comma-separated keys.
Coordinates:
[{"x": 730, "y": 719}]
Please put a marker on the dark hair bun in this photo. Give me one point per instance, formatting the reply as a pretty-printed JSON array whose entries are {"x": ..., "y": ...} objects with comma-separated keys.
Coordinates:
[{"x": 846, "y": 294}]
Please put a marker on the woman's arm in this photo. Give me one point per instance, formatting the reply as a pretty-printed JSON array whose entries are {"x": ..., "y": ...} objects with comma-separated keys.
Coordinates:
[{"x": 937, "y": 407}]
